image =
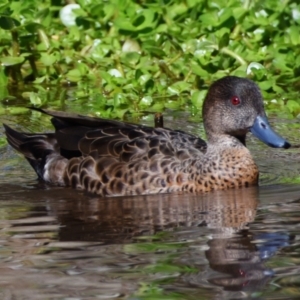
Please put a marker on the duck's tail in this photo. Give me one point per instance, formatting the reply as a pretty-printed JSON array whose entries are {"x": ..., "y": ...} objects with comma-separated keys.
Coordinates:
[{"x": 38, "y": 148}]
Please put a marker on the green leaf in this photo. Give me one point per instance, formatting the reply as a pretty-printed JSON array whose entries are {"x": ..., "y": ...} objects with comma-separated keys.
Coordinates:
[
  {"x": 143, "y": 79},
  {"x": 294, "y": 35},
  {"x": 266, "y": 85},
  {"x": 142, "y": 20},
  {"x": 74, "y": 75},
  {"x": 4, "y": 93},
  {"x": 48, "y": 59},
  {"x": 40, "y": 80},
  {"x": 17, "y": 110},
  {"x": 256, "y": 69},
  {"x": 4, "y": 7},
  {"x": 83, "y": 68},
  {"x": 11, "y": 60},
  {"x": 33, "y": 27},
  {"x": 293, "y": 106},
  {"x": 198, "y": 70},
  {"x": 209, "y": 19},
  {"x": 224, "y": 40},
  {"x": 226, "y": 18},
  {"x": 43, "y": 39},
  {"x": 35, "y": 99},
  {"x": 8, "y": 23},
  {"x": 198, "y": 98},
  {"x": 146, "y": 101},
  {"x": 157, "y": 107},
  {"x": 3, "y": 78},
  {"x": 45, "y": 17}
]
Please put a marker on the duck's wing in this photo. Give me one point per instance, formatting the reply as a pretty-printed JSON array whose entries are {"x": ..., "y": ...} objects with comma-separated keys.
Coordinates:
[{"x": 79, "y": 135}]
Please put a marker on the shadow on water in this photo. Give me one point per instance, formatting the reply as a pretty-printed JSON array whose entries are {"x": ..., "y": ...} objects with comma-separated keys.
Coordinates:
[{"x": 58, "y": 243}]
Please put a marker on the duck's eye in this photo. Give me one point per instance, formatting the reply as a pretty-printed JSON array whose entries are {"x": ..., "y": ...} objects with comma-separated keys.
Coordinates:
[{"x": 235, "y": 100}]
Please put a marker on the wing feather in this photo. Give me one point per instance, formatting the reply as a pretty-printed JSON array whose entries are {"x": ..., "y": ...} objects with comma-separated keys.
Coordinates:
[{"x": 98, "y": 137}]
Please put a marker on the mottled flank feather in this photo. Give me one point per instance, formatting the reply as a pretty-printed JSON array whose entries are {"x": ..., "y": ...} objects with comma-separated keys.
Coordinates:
[{"x": 112, "y": 158}]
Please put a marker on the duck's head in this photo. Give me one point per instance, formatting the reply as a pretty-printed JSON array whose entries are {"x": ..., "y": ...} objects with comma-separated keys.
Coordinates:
[{"x": 234, "y": 106}]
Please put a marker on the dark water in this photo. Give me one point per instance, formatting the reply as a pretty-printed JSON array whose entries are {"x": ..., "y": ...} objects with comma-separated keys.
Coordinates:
[{"x": 57, "y": 243}]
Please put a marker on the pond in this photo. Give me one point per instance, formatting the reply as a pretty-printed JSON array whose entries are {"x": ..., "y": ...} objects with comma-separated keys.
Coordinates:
[{"x": 57, "y": 243}]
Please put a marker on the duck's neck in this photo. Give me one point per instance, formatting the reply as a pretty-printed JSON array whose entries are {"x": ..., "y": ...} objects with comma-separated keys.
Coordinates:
[{"x": 225, "y": 141}]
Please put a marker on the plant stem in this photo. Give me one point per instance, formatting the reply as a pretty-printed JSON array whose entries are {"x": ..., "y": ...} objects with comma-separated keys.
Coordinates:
[
  {"x": 234, "y": 55},
  {"x": 32, "y": 63},
  {"x": 15, "y": 43},
  {"x": 188, "y": 75},
  {"x": 16, "y": 71}
]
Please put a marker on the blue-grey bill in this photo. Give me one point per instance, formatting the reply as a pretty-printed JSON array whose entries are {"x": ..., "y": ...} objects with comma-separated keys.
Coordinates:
[{"x": 263, "y": 131}]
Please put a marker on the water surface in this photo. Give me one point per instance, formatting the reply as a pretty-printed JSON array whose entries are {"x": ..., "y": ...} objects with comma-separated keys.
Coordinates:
[{"x": 57, "y": 243}]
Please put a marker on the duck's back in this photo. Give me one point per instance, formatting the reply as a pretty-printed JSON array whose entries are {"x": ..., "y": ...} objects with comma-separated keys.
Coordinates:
[{"x": 82, "y": 136}]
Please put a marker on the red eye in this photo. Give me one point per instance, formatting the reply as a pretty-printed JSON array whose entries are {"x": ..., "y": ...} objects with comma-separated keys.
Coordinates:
[{"x": 235, "y": 100}]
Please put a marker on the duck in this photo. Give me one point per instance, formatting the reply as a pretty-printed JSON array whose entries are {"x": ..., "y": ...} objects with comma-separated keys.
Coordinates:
[{"x": 114, "y": 158}]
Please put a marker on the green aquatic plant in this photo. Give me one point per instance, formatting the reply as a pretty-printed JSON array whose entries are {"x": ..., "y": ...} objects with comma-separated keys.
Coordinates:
[{"x": 149, "y": 55}]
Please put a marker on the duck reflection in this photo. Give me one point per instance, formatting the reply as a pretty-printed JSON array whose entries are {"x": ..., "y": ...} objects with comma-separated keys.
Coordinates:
[
  {"x": 238, "y": 263},
  {"x": 213, "y": 227},
  {"x": 119, "y": 220},
  {"x": 235, "y": 259}
]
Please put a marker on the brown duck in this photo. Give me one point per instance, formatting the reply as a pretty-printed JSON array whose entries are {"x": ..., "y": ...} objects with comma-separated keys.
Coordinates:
[{"x": 112, "y": 158}]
